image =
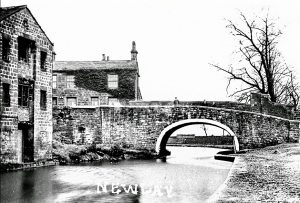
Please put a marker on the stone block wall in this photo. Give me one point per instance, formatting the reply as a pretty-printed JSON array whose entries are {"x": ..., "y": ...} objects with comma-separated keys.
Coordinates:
[
  {"x": 140, "y": 126},
  {"x": 93, "y": 83},
  {"x": 77, "y": 125},
  {"x": 13, "y": 70},
  {"x": 83, "y": 96}
]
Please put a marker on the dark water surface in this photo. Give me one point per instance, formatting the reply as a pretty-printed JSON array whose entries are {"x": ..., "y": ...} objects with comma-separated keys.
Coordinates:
[{"x": 190, "y": 174}]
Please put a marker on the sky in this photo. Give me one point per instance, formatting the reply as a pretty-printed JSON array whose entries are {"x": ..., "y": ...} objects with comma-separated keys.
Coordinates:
[{"x": 176, "y": 39}]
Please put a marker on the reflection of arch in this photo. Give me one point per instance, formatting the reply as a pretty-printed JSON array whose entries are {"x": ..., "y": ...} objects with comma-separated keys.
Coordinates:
[{"x": 167, "y": 132}]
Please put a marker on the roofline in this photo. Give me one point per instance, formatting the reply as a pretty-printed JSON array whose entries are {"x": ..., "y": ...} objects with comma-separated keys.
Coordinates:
[
  {"x": 69, "y": 70},
  {"x": 20, "y": 8},
  {"x": 136, "y": 68},
  {"x": 25, "y": 7},
  {"x": 98, "y": 61}
]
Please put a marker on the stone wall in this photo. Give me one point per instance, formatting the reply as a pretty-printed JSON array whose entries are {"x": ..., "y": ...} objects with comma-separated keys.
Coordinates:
[
  {"x": 13, "y": 70},
  {"x": 139, "y": 126},
  {"x": 77, "y": 125},
  {"x": 93, "y": 83}
]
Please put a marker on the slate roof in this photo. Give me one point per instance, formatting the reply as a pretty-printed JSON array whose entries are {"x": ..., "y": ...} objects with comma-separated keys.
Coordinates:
[
  {"x": 95, "y": 65},
  {"x": 5, "y": 12},
  {"x": 8, "y": 11}
]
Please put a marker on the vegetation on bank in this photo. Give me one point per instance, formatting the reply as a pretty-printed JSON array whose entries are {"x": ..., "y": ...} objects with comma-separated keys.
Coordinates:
[{"x": 71, "y": 153}]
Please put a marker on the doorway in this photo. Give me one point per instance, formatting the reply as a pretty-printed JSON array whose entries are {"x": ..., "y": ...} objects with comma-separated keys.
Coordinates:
[{"x": 27, "y": 143}]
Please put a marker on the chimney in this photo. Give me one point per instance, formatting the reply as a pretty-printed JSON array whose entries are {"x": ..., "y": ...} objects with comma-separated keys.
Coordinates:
[
  {"x": 107, "y": 58},
  {"x": 134, "y": 52},
  {"x": 103, "y": 57}
]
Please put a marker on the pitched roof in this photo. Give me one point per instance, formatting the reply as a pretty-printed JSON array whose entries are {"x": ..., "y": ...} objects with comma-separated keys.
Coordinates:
[
  {"x": 95, "y": 65},
  {"x": 5, "y": 12},
  {"x": 8, "y": 11}
]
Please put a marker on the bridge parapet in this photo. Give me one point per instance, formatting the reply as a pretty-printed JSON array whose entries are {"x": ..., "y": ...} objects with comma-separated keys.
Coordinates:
[{"x": 259, "y": 103}]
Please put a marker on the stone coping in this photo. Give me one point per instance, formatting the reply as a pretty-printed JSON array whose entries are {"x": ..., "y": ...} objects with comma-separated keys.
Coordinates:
[{"x": 187, "y": 106}]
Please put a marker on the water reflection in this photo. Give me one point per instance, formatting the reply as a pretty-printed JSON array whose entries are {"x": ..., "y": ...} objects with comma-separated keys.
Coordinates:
[{"x": 188, "y": 175}]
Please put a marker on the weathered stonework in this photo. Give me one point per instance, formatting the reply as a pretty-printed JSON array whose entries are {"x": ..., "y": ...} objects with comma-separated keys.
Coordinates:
[
  {"x": 83, "y": 81},
  {"x": 139, "y": 126},
  {"x": 26, "y": 130}
]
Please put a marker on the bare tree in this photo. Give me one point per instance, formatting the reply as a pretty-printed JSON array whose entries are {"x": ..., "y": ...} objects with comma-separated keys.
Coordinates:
[
  {"x": 292, "y": 92},
  {"x": 261, "y": 67}
]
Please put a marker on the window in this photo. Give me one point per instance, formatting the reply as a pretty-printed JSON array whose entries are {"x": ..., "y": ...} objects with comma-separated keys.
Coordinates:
[
  {"x": 24, "y": 46},
  {"x": 112, "y": 81},
  {"x": 70, "y": 81},
  {"x": 81, "y": 129},
  {"x": 54, "y": 101},
  {"x": 23, "y": 95},
  {"x": 54, "y": 81},
  {"x": 6, "y": 95},
  {"x": 43, "y": 101},
  {"x": 43, "y": 60},
  {"x": 25, "y": 23},
  {"x": 95, "y": 101},
  {"x": 113, "y": 101},
  {"x": 5, "y": 47},
  {"x": 25, "y": 92},
  {"x": 71, "y": 101}
]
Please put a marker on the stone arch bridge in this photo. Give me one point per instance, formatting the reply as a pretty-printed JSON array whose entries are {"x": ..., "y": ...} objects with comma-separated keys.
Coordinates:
[{"x": 148, "y": 125}]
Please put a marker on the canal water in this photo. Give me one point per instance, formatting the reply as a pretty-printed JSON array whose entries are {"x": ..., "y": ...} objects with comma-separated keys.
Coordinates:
[{"x": 190, "y": 174}]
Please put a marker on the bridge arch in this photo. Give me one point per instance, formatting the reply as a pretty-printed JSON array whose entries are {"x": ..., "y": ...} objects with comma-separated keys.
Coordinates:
[{"x": 167, "y": 132}]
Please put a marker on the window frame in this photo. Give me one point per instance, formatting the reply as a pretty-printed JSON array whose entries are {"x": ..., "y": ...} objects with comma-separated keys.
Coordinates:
[
  {"x": 67, "y": 103},
  {"x": 113, "y": 101},
  {"x": 70, "y": 84},
  {"x": 5, "y": 47},
  {"x": 23, "y": 95},
  {"x": 54, "y": 82},
  {"x": 54, "y": 98},
  {"x": 6, "y": 94},
  {"x": 43, "y": 60},
  {"x": 94, "y": 101},
  {"x": 112, "y": 81},
  {"x": 24, "y": 46},
  {"x": 43, "y": 100}
]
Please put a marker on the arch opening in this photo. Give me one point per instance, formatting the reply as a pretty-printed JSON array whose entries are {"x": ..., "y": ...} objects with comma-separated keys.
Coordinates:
[{"x": 169, "y": 130}]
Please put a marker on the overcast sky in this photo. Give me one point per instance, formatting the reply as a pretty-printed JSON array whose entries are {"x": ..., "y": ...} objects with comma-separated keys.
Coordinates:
[{"x": 176, "y": 39}]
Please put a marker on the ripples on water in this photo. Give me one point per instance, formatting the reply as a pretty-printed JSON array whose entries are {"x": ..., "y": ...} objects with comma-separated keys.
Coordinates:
[{"x": 191, "y": 172}]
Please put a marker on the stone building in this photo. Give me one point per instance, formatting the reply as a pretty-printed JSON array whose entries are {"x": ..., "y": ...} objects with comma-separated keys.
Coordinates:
[
  {"x": 95, "y": 83},
  {"x": 27, "y": 57}
]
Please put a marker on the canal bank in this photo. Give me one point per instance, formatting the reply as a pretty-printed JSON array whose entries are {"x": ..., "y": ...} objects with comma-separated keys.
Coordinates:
[
  {"x": 270, "y": 174},
  {"x": 64, "y": 154}
]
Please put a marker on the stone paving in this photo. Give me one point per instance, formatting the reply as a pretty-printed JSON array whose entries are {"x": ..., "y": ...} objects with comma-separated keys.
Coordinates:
[{"x": 271, "y": 174}]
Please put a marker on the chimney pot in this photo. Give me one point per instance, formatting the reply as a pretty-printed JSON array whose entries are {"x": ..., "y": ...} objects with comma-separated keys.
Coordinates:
[
  {"x": 107, "y": 58},
  {"x": 103, "y": 57}
]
